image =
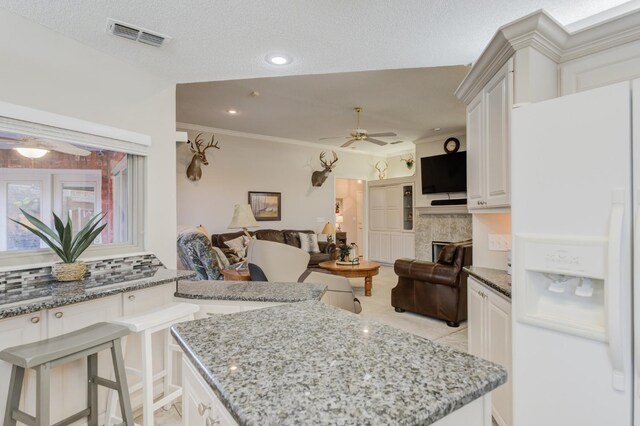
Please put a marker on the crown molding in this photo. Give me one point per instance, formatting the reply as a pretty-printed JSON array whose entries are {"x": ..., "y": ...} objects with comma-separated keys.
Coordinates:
[
  {"x": 542, "y": 32},
  {"x": 443, "y": 137},
  {"x": 216, "y": 130}
]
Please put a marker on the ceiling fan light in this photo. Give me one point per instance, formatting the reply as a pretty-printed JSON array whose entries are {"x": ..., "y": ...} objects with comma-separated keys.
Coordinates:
[{"x": 32, "y": 152}]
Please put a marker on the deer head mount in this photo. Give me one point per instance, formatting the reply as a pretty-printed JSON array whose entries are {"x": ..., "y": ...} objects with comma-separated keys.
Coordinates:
[
  {"x": 408, "y": 161},
  {"x": 319, "y": 176},
  {"x": 194, "y": 171},
  {"x": 382, "y": 171}
]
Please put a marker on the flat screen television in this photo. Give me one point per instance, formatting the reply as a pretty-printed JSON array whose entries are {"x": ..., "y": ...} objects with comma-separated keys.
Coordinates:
[{"x": 444, "y": 173}]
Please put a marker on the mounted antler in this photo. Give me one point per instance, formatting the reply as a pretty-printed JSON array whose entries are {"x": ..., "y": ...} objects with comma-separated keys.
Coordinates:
[
  {"x": 319, "y": 176},
  {"x": 382, "y": 173},
  {"x": 408, "y": 161},
  {"x": 194, "y": 171}
]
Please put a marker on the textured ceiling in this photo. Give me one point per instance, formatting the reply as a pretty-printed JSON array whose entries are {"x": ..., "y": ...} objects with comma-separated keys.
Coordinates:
[
  {"x": 222, "y": 40},
  {"x": 409, "y": 102}
]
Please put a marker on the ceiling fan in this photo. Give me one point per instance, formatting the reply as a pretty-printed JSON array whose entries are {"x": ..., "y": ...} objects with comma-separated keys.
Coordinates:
[
  {"x": 359, "y": 134},
  {"x": 33, "y": 147}
]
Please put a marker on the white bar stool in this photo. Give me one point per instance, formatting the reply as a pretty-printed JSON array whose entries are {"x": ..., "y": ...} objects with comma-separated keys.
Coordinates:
[{"x": 145, "y": 325}]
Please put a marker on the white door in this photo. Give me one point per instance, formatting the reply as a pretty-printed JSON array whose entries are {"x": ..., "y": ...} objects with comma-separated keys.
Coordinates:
[
  {"x": 476, "y": 318},
  {"x": 570, "y": 161},
  {"x": 360, "y": 219},
  {"x": 636, "y": 242},
  {"x": 498, "y": 350},
  {"x": 397, "y": 247}
]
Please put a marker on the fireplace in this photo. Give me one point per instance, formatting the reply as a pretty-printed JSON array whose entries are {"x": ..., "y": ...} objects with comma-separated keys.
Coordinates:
[{"x": 436, "y": 248}]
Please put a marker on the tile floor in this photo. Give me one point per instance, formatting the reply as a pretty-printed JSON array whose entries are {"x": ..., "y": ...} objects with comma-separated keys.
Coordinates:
[{"x": 377, "y": 307}]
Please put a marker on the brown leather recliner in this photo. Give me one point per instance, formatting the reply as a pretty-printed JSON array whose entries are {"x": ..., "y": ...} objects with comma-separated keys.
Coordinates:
[{"x": 438, "y": 289}]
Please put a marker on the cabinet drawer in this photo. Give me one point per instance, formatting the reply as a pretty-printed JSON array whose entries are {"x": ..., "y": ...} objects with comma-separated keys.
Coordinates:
[{"x": 199, "y": 402}]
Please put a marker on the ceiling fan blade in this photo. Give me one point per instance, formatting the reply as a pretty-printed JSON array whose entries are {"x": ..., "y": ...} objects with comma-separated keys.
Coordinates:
[
  {"x": 383, "y": 134},
  {"x": 347, "y": 143},
  {"x": 396, "y": 142},
  {"x": 376, "y": 141},
  {"x": 330, "y": 137},
  {"x": 9, "y": 140}
]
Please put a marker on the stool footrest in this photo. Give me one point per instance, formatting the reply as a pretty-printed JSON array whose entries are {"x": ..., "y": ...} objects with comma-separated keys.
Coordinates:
[
  {"x": 106, "y": 383},
  {"x": 176, "y": 393},
  {"x": 74, "y": 417},
  {"x": 23, "y": 417}
]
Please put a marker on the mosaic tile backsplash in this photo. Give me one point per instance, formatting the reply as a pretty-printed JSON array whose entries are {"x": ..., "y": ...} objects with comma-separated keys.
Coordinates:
[
  {"x": 99, "y": 269},
  {"x": 440, "y": 227}
]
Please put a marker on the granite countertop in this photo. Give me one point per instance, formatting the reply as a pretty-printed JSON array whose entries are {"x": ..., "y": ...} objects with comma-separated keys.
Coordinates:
[
  {"x": 250, "y": 291},
  {"x": 496, "y": 279},
  {"x": 20, "y": 299},
  {"x": 311, "y": 363}
]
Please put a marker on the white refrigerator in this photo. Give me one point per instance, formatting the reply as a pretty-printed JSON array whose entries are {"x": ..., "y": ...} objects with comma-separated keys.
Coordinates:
[{"x": 575, "y": 193}]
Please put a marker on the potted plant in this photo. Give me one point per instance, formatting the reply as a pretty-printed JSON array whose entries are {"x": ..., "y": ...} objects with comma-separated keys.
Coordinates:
[
  {"x": 66, "y": 246},
  {"x": 344, "y": 252}
]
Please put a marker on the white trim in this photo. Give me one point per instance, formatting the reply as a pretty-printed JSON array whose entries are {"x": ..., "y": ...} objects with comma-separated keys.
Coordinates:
[
  {"x": 18, "y": 112},
  {"x": 216, "y": 130},
  {"x": 543, "y": 33},
  {"x": 442, "y": 137}
]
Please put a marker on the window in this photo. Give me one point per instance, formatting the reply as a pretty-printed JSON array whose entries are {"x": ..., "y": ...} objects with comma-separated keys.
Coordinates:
[{"x": 72, "y": 180}]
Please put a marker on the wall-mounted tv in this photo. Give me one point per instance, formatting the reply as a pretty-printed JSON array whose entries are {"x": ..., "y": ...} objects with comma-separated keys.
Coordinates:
[{"x": 444, "y": 173}]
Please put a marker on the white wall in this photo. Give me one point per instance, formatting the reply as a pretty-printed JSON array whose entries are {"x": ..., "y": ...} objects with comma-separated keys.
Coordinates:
[
  {"x": 398, "y": 168},
  {"x": 245, "y": 164},
  {"x": 44, "y": 70},
  {"x": 429, "y": 148}
]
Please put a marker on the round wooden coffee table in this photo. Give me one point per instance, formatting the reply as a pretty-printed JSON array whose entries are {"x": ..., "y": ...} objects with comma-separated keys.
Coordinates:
[{"x": 364, "y": 269}]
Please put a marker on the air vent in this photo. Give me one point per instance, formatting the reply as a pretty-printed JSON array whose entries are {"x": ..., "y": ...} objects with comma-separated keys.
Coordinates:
[{"x": 135, "y": 33}]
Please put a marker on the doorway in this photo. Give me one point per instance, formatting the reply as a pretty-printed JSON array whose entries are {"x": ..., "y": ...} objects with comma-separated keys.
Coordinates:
[{"x": 349, "y": 210}]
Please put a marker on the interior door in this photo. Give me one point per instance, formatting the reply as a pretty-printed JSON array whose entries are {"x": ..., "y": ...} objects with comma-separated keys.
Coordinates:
[{"x": 636, "y": 243}]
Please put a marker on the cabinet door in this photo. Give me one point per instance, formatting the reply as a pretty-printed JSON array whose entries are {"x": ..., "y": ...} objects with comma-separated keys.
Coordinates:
[
  {"x": 13, "y": 332},
  {"x": 476, "y": 317},
  {"x": 69, "y": 381},
  {"x": 475, "y": 157},
  {"x": 393, "y": 196},
  {"x": 378, "y": 219},
  {"x": 408, "y": 246},
  {"x": 385, "y": 247},
  {"x": 374, "y": 246},
  {"x": 377, "y": 198},
  {"x": 497, "y": 111},
  {"x": 394, "y": 219},
  {"x": 498, "y": 349},
  {"x": 397, "y": 246},
  {"x": 199, "y": 402}
]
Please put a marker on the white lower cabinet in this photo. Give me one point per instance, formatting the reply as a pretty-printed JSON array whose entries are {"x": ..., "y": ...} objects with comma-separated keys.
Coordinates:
[
  {"x": 68, "y": 382},
  {"x": 200, "y": 406},
  {"x": 489, "y": 322},
  {"x": 13, "y": 332},
  {"x": 387, "y": 247}
]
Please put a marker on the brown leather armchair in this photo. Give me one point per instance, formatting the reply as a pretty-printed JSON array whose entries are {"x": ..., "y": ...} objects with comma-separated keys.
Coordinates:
[{"x": 438, "y": 289}]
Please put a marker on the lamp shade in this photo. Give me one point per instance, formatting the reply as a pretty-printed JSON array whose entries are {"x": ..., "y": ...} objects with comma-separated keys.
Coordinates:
[
  {"x": 339, "y": 219},
  {"x": 328, "y": 229},
  {"x": 243, "y": 217}
]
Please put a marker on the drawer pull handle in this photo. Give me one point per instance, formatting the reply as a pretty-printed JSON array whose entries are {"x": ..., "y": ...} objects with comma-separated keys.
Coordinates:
[
  {"x": 35, "y": 320},
  {"x": 132, "y": 297},
  {"x": 58, "y": 314},
  {"x": 203, "y": 409}
]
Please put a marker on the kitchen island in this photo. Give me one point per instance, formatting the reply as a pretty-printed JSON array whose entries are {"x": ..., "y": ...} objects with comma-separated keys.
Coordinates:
[{"x": 310, "y": 363}]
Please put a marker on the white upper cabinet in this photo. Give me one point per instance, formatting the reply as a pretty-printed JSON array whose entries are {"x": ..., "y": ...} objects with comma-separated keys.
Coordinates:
[{"x": 488, "y": 144}]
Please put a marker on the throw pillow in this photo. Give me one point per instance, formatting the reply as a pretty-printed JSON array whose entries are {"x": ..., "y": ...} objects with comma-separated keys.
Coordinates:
[
  {"x": 309, "y": 242},
  {"x": 447, "y": 254},
  {"x": 239, "y": 245},
  {"x": 222, "y": 259}
]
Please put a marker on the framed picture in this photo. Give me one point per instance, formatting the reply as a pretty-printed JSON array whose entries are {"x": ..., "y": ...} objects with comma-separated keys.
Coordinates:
[
  {"x": 339, "y": 205},
  {"x": 266, "y": 205}
]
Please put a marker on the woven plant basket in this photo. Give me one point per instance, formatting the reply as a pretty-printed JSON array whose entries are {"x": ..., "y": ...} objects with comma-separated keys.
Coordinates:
[{"x": 69, "y": 271}]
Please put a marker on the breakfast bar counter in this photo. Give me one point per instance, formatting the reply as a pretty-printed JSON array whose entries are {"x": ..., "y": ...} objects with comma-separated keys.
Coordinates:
[
  {"x": 311, "y": 363},
  {"x": 249, "y": 291}
]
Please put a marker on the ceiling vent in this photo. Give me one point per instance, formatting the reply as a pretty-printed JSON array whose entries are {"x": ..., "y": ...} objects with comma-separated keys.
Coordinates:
[{"x": 135, "y": 33}]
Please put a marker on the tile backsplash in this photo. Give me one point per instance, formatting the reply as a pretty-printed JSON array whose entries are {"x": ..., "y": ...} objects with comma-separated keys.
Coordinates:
[{"x": 42, "y": 275}]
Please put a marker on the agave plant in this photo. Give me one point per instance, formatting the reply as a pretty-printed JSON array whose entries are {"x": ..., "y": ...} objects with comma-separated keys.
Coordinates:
[{"x": 67, "y": 247}]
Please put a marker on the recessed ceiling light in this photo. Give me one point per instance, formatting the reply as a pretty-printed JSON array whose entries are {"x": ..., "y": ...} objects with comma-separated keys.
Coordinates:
[
  {"x": 232, "y": 111},
  {"x": 278, "y": 59},
  {"x": 436, "y": 129}
]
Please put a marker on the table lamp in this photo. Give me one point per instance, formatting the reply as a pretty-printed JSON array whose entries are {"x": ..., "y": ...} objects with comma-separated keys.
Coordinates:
[
  {"x": 328, "y": 231},
  {"x": 243, "y": 218},
  {"x": 339, "y": 220}
]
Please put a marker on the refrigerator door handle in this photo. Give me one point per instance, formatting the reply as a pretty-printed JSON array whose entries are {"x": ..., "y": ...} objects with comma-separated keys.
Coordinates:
[
  {"x": 612, "y": 286},
  {"x": 636, "y": 265}
]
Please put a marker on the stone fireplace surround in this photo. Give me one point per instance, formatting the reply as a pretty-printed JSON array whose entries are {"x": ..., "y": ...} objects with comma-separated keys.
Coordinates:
[{"x": 440, "y": 227}]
